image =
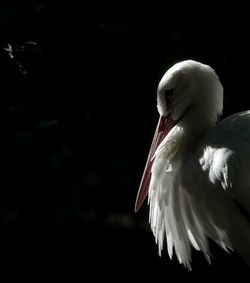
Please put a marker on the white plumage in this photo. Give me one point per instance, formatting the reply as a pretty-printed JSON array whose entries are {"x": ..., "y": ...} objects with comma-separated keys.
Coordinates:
[{"x": 197, "y": 175}]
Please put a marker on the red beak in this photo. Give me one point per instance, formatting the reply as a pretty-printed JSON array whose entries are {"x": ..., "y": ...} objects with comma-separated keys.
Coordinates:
[{"x": 165, "y": 124}]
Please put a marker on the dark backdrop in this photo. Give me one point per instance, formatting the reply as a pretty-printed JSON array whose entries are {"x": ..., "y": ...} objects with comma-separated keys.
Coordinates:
[{"x": 78, "y": 110}]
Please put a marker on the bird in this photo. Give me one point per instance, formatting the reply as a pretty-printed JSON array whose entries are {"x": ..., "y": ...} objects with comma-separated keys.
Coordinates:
[{"x": 197, "y": 174}]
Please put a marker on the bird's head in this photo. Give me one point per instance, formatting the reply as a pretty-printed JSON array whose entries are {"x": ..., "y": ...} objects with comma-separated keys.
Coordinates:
[
  {"x": 189, "y": 92},
  {"x": 190, "y": 86}
]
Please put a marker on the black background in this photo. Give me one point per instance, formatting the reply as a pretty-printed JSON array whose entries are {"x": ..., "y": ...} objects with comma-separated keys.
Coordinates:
[{"x": 78, "y": 109}]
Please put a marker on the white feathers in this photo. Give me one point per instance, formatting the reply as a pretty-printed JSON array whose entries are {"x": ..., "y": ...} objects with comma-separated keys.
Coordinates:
[
  {"x": 215, "y": 161},
  {"x": 197, "y": 170}
]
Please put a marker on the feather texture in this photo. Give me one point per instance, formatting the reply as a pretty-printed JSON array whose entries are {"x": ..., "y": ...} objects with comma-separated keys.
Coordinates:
[{"x": 200, "y": 168}]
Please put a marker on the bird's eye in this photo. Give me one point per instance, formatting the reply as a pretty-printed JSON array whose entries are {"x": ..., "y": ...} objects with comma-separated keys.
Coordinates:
[{"x": 168, "y": 94}]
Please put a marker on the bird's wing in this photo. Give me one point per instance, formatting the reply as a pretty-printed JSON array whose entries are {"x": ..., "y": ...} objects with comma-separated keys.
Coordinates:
[
  {"x": 224, "y": 156},
  {"x": 218, "y": 177}
]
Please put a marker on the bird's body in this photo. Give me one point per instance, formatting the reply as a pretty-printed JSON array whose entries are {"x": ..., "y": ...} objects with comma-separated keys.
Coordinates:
[{"x": 198, "y": 172}]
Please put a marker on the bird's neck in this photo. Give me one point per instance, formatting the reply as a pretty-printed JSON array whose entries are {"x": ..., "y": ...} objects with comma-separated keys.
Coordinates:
[{"x": 188, "y": 134}]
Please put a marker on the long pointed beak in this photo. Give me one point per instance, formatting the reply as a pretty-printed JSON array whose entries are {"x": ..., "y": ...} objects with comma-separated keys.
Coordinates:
[{"x": 165, "y": 124}]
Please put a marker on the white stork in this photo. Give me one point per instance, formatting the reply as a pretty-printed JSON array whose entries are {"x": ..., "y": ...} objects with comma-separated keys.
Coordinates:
[{"x": 197, "y": 175}]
